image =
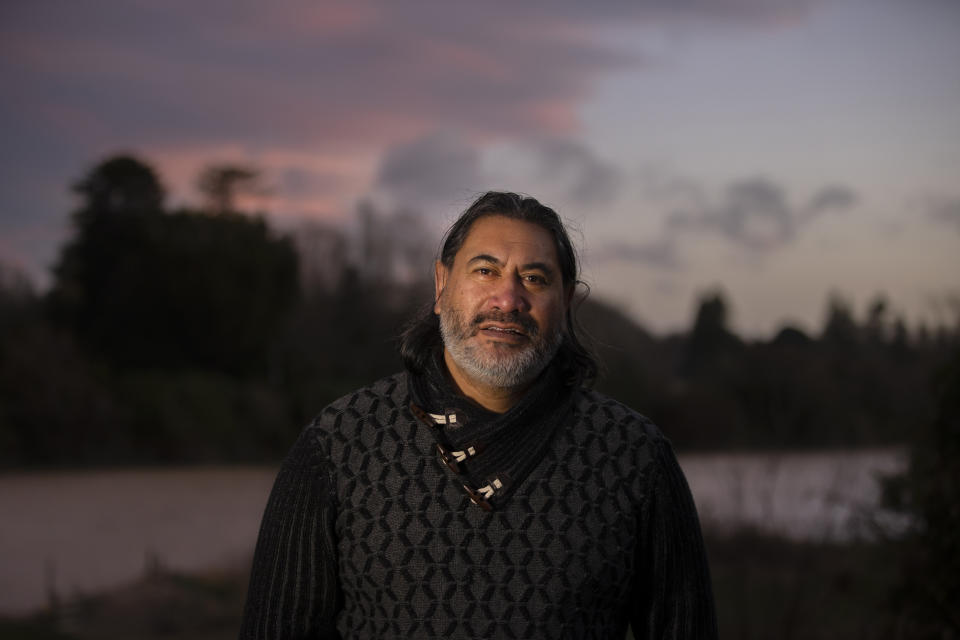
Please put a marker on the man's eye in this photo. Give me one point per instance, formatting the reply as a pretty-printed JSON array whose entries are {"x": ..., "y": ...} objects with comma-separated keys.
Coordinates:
[
  {"x": 535, "y": 279},
  {"x": 484, "y": 271}
]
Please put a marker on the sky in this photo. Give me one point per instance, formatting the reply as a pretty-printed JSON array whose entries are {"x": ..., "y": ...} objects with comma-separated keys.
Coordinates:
[{"x": 780, "y": 151}]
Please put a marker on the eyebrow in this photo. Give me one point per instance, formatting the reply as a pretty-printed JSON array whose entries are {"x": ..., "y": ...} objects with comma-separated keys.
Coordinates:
[{"x": 485, "y": 257}]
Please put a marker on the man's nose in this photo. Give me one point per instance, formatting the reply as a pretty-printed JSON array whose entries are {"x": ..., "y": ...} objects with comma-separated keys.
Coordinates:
[{"x": 510, "y": 295}]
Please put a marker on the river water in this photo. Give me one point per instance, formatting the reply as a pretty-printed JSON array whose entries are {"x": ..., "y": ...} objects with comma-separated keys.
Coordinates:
[{"x": 71, "y": 533}]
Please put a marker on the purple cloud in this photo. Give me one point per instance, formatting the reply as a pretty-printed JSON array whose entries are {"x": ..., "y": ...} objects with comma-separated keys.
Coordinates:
[
  {"x": 341, "y": 81},
  {"x": 756, "y": 214},
  {"x": 438, "y": 167}
]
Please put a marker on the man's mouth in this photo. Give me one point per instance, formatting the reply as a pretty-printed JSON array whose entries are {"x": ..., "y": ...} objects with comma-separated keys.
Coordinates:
[
  {"x": 501, "y": 329},
  {"x": 503, "y": 334},
  {"x": 509, "y": 329}
]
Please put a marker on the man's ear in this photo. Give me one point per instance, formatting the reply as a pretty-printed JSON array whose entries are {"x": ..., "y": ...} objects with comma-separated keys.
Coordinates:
[{"x": 439, "y": 282}]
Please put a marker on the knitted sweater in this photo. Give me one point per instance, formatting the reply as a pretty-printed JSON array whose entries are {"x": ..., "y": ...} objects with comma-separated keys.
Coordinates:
[{"x": 368, "y": 535}]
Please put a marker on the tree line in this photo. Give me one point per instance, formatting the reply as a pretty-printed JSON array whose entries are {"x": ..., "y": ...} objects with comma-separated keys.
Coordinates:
[{"x": 188, "y": 335}]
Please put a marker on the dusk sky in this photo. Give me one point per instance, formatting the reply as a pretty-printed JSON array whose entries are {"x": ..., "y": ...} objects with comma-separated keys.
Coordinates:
[{"x": 780, "y": 150}]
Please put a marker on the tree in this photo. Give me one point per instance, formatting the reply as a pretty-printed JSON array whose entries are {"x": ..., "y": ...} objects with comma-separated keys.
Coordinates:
[
  {"x": 929, "y": 493},
  {"x": 876, "y": 327},
  {"x": 121, "y": 200},
  {"x": 221, "y": 184},
  {"x": 188, "y": 289},
  {"x": 213, "y": 293},
  {"x": 710, "y": 340},
  {"x": 121, "y": 184},
  {"x": 840, "y": 329}
]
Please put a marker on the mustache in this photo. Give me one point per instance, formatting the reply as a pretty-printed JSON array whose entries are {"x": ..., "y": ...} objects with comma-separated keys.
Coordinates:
[{"x": 514, "y": 317}]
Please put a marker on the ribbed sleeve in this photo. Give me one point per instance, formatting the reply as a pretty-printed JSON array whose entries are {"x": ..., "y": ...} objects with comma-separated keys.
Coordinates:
[
  {"x": 293, "y": 589},
  {"x": 673, "y": 592}
]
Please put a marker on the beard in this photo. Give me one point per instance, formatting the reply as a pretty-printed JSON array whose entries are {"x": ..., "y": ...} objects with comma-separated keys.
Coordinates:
[{"x": 498, "y": 365}]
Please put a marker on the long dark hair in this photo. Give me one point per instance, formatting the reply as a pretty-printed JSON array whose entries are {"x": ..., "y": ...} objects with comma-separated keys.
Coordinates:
[{"x": 420, "y": 340}]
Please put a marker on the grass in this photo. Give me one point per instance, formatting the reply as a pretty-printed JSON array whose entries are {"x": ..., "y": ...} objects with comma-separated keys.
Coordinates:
[
  {"x": 163, "y": 605},
  {"x": 768, "y": 587},
  {"x": 765, "y": 587}
]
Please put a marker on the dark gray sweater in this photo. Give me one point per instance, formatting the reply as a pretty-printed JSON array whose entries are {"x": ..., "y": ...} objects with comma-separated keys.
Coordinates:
[{"x": 368, "y": 535}]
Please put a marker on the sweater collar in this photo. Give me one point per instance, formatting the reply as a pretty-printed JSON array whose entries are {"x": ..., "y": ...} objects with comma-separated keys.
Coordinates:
[{"x": 489, "y": 454}]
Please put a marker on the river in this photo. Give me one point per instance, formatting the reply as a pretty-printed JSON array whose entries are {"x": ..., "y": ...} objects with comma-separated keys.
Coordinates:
[{"x": 73, "y": 533}]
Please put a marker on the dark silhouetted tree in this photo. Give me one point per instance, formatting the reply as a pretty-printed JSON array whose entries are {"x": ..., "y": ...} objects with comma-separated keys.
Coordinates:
[
  {"x": 876, "y": 326},
  {"x": 840, "y": 329},
  {"x": 185, "y": 289},
  {"x": 711, "y": 342},
  {"x": 18, "y": 300},
  {"x": 791, "y": 336},
  {"x": 121, "y": 202},
  {"x": 222, "y": 184},
  {"x": 121, "y": 184},
  {"x": 929, "y": 493},
  {"x": 214, "y": 292}
]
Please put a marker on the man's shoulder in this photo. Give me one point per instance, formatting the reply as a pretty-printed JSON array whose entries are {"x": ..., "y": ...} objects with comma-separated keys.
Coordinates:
[
  {"x": 384, "y": 395},
  {"x": 604, "y": 410}
]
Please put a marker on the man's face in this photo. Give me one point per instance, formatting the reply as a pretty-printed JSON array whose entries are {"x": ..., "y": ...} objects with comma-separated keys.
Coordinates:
[{"x": 502, "y": 304}]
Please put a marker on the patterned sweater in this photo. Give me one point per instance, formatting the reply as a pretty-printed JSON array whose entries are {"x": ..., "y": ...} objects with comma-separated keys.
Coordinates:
[{"x": 368, "y": 535}]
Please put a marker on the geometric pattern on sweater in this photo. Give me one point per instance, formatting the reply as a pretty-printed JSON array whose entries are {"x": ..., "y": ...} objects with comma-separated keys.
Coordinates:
[
  {"x": 367, "y": 534},
  {"x": 418, "y": 559}
]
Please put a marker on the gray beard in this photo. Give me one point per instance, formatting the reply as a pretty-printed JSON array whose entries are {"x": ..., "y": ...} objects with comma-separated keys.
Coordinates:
[{"x": 504, "y": 368}]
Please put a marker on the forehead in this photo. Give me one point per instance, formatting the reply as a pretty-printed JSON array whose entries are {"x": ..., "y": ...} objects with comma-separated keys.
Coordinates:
[{"x": 504, "y": 238}]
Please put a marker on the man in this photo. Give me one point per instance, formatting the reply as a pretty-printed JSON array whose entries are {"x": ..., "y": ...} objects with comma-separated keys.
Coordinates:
[{"x": 484, "y": 492}]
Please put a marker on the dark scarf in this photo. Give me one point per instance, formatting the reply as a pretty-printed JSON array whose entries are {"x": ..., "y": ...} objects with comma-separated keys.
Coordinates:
[{"x": 489, "y": 453}]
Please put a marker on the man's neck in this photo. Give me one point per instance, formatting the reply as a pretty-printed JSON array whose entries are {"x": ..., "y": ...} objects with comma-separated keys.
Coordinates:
[{"x": 496, "y": 399}]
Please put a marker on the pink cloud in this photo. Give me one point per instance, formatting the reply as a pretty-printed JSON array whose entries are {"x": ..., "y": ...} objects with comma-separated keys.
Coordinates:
[
  {"x": 326, "y": 184},
  {"x": 312, "y": 93}
]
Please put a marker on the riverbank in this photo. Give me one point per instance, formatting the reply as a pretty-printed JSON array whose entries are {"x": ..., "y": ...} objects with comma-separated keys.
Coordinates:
[
  {"x": 71, "y": 534},
  {"x": 766, "y": 587}
]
